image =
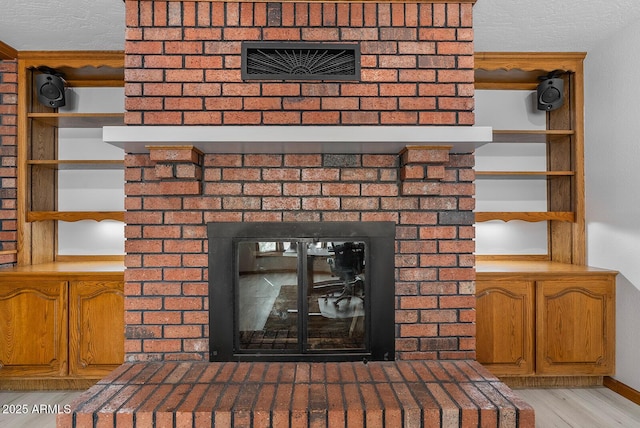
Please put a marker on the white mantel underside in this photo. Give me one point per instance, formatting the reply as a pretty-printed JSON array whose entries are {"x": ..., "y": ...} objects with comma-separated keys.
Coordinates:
[{"x": 298, "y": 139}]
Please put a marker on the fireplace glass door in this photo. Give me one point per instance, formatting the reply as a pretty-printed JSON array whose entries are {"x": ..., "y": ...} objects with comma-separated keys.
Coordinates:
[
  {"x": 301, "y": 291},
  {"x": 301, "y": 296}
]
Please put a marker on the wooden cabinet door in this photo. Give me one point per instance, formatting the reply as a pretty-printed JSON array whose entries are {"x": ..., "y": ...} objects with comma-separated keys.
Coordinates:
[
  {"x": 33, "y": 328},
  {"x": 96, "y": 327},
  {"x": 505, "y": 326},
  {"x": 576, "y": 326}
]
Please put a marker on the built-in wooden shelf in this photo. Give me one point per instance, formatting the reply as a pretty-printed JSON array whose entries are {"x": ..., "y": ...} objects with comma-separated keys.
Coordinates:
[
  {"x": 65, "y": 270},
  {"x": 528, "y": 216},
  {"x": 525, "y": 174},
  {"x": 5, "y": 252},
  {"x": 72, "y": 216},
  {"x": 78, "y": 164},
  {"x": 489, "y": 267},
  {"x": 79, "y": 120},
  {"x": 530, "y": 136}
]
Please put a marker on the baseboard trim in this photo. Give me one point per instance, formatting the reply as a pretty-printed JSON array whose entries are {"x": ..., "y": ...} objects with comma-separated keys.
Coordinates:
[
  {"x": 520, "y": 382},
  {"x": 620, "y": 388},
  {"x": 44, "y": 384}
]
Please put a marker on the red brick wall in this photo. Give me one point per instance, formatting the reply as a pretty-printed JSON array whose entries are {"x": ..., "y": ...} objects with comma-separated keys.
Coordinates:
[
  {"x": 8, "y": 148},
  {"x": 428, "y": 193},
  {"x": 183, "y": 67},
  {"x": 183, "y": 63}
]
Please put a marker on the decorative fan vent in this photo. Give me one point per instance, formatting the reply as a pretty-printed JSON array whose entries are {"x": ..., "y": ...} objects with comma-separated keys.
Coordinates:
[{"x": 300, "y": 61}]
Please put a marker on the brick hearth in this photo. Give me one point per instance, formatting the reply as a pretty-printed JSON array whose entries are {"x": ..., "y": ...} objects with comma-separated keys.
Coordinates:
[{"x": 424, "y": 394}]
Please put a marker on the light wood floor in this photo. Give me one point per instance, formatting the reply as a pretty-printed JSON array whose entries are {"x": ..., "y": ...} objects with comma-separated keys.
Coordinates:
[
  {"x": 555, "y": 408},
  {"x": 581, "y": 408},
  {"x": 36, "y": 409}
]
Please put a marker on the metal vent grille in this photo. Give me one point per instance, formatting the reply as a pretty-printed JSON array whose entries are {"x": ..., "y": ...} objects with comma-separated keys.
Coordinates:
[{"x": 300, "y": 61}]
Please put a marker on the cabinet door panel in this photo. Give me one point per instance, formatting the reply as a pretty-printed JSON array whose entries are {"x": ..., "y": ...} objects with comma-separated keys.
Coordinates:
[
  {"x": 505, "y": 326},
  {"x": 33, "y": 328},
  {"x": 575, "y": 331},
  {"x": 96, "y": 327}
]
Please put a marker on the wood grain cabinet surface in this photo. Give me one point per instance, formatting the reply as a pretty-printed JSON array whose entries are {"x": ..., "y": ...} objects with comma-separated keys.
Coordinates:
[
  {"x": 575, "y": 330},
  {"x": 545, "y": 319},
  {"x": 33, "y": 328},
  {"x": 96, "y": 329},
  {"x": 506, "y": 326},
  {"x": 60, "y": 321}
]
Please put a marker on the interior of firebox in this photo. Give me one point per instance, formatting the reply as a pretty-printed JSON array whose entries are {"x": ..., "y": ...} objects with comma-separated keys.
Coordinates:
[{"x": 302, "y": 294}]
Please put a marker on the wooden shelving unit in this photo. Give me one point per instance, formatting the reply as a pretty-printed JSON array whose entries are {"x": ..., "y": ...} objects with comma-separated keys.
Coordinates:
[
  {"x": 78, "y": 120},
  {"x": 544, "y": 320},
  {"x": 70, "y": 298},
  {"x": 530, "y": 216},
  {"x": 525, "y": 174},
  {"x": 531, "y": 136},
  {"x": 74, "y": 215},
  {"x": 38, "y": 127},
  {"x": 563, "y": 140},
  {"x": 77, "y": 164}
]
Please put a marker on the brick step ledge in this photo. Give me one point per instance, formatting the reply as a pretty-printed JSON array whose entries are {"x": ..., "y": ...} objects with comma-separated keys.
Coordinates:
[{"x": 445, "y": 393}]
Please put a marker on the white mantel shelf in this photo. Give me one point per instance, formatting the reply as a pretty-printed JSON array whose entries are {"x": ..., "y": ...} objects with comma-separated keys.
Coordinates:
[{"x": 298, "y": 139}]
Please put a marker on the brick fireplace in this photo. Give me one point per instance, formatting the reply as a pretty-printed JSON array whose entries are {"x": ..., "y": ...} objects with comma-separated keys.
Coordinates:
[
  {"x": 176, "y": 191},
  {"x": 184, "y": 68},
  {"x": 203, "y": 145}
]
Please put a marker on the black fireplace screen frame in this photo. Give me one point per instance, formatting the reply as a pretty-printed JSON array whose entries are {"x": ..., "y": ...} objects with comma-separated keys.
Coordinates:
[{"x": 223, "y": 239}]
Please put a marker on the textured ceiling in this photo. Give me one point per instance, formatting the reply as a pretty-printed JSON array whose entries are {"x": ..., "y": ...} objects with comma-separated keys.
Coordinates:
[
  {"x": 549, "y": 25},
  {"x": 500, "y": 25},
  {"x": 62, "y": 24}
]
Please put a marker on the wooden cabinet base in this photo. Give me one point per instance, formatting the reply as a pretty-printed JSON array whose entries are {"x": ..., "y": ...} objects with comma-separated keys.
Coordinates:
[
  {"x": 46, "y": 384},
  {"x": 575, "y": 326},
  {"x": 552, "y": 381},
  {"x": 61, "y": 324},
  {"x": 33, "y": 328},
  {"x": 505, "y": 339},
  {"x": 93, "y": 346},
  {"x": 545, "y": 323}
]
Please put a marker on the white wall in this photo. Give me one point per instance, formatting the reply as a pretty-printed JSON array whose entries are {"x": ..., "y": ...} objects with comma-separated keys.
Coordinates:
[
  {"x": 612, "y": 140},
  {"x": 510, "y": 110},
  {"x": 90, "y": 189}
]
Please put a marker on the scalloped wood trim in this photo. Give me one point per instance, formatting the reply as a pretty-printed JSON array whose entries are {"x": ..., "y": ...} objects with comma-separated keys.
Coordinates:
[
  {"x": 76, "y": 65},
  {"x": 529, "y": 61},
  {"x": 74, "y": 58}
]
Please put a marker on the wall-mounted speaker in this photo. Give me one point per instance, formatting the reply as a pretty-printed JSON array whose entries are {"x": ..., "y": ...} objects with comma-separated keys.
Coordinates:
[
  {"x": 550, "y": 93},
  {"x": 50, "y": 88}
]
